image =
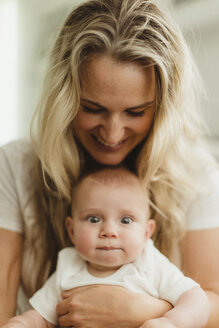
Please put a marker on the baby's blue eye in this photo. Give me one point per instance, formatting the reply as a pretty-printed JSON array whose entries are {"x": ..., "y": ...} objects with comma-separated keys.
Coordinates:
[
  {"x": 126, "y": 220},
  {"x": 93, "y": 219}
]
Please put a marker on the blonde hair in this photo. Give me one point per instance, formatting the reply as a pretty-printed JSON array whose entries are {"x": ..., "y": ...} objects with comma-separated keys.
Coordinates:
[{"x": 128, "y": 31}]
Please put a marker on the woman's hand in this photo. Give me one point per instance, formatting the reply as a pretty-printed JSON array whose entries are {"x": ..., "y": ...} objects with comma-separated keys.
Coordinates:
[{"x": 98, "y": 306}]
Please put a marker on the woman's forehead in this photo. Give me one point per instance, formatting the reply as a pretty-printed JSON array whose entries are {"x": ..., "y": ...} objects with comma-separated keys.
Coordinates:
[{"x": 117, "y": 85}]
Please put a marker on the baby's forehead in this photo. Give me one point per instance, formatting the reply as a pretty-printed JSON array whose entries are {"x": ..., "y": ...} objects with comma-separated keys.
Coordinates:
[
  {"x": 126, "y": 187},
  {"x": 112, "y": 181}
]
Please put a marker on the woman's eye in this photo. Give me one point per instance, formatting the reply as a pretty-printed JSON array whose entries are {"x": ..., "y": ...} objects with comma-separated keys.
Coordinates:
[
  {"x": 126, "y": 220},
  {"x": 136, "y": 114},
  {"x": 91, "y": 110},
  {"x": 93, "y": 219}
]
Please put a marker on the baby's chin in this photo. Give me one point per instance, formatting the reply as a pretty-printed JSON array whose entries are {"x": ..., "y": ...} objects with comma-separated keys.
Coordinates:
[{"x": 101, "y": 270}]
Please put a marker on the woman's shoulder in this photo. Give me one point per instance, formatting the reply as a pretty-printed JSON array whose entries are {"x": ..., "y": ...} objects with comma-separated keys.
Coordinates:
[
  {"x": 17, "y": 156},
  {"x": 17, "y": 162},
  {"x": 16, "y": 183},
  {"x": 203, "y": 168},
  {"x": 203, "y": 210},
  {"x": 16, "y": 149},
  {"x": 203, "y": 154}
]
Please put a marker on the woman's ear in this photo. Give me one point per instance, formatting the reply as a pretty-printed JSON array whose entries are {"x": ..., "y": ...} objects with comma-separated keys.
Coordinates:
[
  {"x": 151, "y": 224},
  {"x": 69, "y": 228}
]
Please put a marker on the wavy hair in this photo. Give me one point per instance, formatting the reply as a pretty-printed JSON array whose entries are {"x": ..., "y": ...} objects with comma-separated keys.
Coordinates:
[{"x": 129, "y": 31}]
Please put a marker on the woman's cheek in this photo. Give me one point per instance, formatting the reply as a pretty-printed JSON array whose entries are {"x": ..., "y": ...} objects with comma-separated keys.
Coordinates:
[{"x": 85, "y": 122}]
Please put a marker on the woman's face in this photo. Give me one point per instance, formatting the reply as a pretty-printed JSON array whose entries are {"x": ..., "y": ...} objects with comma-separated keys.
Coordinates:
[{"x": 117, "y": 108}]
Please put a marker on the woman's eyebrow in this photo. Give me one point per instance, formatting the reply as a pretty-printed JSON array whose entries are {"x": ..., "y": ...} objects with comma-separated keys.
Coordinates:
[
  {"x": 93, "y": 103},
  {"x": 146, "y": 104}
]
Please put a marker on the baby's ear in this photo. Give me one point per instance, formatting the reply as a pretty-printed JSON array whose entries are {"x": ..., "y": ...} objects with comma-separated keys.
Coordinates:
[
  {"x": 69, "y": 228},
  {"x": 151, "y": 224}
]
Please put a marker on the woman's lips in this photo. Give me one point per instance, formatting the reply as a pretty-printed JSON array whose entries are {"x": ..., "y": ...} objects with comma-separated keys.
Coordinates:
[{"x": 103, "y": 145}]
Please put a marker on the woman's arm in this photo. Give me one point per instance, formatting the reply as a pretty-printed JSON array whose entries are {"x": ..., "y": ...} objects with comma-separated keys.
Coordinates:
[
  {"x": 10, "y": 271},
  {"x": 100, "y": 306},
  {"x": 200, "y": 261},
  {"x": 190, "y": 311}
]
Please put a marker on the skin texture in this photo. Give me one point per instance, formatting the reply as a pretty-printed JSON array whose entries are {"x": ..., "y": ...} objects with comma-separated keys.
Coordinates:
[
  {"x": 29, "y": 319},
  {"x": 190, "y": 311},
  {"x": 34, "y": 320},
  {"x": 200, "y": 262},
  {"x": 117, "y": 108},
  {"x": 130, "y": 314},
  {"x": 109, "y": 230},
  {"x": 9, "y": 272}
]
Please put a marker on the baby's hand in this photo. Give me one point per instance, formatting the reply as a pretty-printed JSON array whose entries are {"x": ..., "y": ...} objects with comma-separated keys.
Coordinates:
[
  {"x": 13, "y": 323},
  {"x": 159, "y": 323}
]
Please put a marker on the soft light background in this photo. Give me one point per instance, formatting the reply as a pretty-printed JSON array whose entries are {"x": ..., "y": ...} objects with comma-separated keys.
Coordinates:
[{"x": 27, "y": 31}]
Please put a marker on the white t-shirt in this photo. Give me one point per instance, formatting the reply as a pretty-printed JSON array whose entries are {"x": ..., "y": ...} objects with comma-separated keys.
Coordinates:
[
  {"x": 16, "y": 205},
  {"x": 151, "y": 273},
  {"x": 17, "y": 193}
]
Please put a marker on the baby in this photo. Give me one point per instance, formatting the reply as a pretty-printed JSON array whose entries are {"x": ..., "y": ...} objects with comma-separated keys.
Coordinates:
[{"x": 110, "y": 229}]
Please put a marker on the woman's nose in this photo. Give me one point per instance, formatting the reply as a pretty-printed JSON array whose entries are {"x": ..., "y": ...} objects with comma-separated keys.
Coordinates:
[
  {"x": 108, "y": 230},
  {"x": 112, "y": 130}
]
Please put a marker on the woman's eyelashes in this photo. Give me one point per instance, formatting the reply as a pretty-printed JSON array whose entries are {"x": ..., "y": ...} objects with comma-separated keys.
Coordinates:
[
  {"x": 90, "y": 110},
  {"x": 136, "y": 114}
]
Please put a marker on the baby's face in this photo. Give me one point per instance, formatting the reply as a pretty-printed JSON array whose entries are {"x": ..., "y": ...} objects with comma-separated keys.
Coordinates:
[{"x": 110, "y": 223}]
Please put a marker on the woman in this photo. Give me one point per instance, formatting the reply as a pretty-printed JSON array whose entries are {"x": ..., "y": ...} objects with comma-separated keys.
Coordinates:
[{"x": 119, "y": 89}]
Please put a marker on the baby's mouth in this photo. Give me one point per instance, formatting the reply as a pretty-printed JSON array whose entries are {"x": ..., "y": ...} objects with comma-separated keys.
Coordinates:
[{"x": 108, "y": 248}]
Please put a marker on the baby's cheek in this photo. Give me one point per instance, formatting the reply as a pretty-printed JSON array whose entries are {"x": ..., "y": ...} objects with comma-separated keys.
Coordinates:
[
  {"x": 136, "y": 246},
  {"x": 84, "y": 242}
]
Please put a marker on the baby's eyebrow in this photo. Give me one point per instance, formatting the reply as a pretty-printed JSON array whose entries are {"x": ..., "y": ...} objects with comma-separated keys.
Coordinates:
[
  {"x": 146, "y": 104},
  {"x": 89, "y": 211}
]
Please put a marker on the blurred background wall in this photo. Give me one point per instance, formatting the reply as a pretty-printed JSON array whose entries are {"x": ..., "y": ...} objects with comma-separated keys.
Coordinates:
[{"x": 27, "y": 31}]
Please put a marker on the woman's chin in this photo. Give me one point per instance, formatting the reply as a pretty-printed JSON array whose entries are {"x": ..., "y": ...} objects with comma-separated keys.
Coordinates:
[
  {"x": 103, "y": 157},
  {"x": 109, "y": 161}
]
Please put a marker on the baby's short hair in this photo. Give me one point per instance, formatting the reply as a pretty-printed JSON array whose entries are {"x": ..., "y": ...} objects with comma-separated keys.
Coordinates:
[{"x": 111, "y": 174}]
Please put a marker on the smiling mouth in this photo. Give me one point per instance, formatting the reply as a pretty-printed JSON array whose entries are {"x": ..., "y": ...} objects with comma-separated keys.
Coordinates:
[{"x": 107, "y": 145}]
